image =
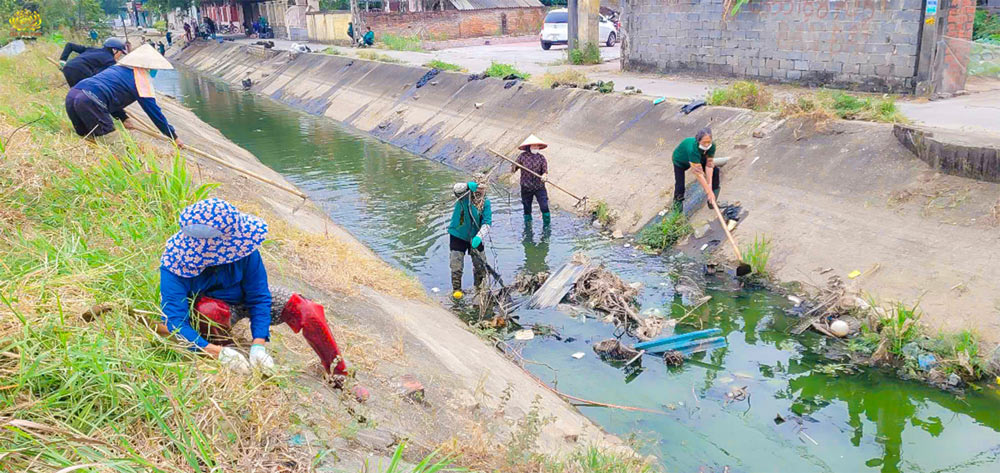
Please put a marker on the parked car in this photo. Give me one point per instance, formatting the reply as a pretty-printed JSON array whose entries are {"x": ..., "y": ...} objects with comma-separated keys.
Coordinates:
[{"x": 554, "y": 31}]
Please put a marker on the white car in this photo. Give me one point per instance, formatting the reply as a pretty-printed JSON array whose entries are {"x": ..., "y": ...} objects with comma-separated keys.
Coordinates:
[{"x": 554, "y": 31}]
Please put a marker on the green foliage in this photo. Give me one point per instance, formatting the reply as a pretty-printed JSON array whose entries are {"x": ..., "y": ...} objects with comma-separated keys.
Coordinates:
[
  {"x": 429, "y": 464},
  {"x": 334, "y": 5},
  {"x": 602, "y": 212},
  {"x": 333, "y": 52},
  {"x": 851, "y": 107},
  {"x": 986, "y": 26},
  {"x": 595, "y": 460},
  {"x": 736, "y": 6},
  {"x": 757, "y": 254},
  {"x": 160, "y": 25},
  {"x": 402, "y": 43},
  {"x": 743, "y": 94},
  {"x": 898, "y": 326},
  {"x": 112, "y": 7},
  {"x": 667, "y": 232},
  {"x": 444, "y": 66},
  {"x": 563, "y": 77},
  {"x": 501, "y": 70},
  {"x": 589, "y": 54}
]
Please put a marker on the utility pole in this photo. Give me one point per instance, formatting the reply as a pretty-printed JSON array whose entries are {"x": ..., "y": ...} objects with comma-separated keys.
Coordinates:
[{"x": 572, "y": 24}]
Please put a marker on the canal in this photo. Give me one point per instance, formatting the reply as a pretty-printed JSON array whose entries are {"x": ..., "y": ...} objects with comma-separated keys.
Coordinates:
[{"x": 802, "y": 414}]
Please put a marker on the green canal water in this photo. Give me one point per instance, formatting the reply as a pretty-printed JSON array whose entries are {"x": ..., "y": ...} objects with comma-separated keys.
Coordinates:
[{"x": 398, "y": 204}]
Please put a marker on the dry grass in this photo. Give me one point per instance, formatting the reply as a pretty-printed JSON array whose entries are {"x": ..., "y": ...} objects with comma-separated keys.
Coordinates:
[{"x": 566, "y": 76}]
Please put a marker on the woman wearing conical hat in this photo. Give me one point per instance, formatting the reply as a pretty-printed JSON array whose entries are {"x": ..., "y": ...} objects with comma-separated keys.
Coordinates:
[
  {"x": 92, "y": 102},
  {"x": 533, "y": 187}
]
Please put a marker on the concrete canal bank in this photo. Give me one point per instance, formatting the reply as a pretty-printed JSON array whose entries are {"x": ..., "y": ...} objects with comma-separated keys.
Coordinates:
[
  {"x": 473, "y": 397},
  {"x": 839, "y": 195}
]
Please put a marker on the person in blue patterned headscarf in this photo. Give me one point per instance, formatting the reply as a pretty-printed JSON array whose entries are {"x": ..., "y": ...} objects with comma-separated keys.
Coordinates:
[{"x": 213, "y": 266}]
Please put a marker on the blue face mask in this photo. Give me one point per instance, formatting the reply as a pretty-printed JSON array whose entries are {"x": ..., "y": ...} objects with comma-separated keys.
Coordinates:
[{"x": 152, "y": 73}]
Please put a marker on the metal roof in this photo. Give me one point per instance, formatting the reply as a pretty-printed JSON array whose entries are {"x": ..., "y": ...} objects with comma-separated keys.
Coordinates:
[{"x": 484, "y": 4}]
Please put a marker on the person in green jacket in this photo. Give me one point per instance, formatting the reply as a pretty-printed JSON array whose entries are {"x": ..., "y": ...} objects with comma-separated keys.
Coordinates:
[
  {"x": 369, "y": 38},
  {"x": 470, "y": 224},
  {"x": 698, "y": 154}
]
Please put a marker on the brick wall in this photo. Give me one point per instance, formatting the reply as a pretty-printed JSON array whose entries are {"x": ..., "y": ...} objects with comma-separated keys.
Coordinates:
[
  {"x": 961, "y": 15},
  {"x": 453, "y": 24},
  {"x": 859, "y": 44}
]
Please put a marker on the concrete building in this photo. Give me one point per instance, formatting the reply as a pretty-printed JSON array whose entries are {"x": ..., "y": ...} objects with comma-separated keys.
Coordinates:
[
  {"x": 885, "y": 45},
  {"x": 286, "y": 17}
]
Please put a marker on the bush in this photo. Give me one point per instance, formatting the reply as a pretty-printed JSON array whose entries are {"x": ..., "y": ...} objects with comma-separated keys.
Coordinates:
[
  {"x": 667, "y": 232},
  {"x": 160, "y": 25},
  {"x": 444, "y": 66},
  {"x": 501, "y": 70},
  {"x": 402, "y": 43},
  {"x": 743, "y": 94},
  {"x": 986, "y": 26},
  {"x": 589, "y": 54}
]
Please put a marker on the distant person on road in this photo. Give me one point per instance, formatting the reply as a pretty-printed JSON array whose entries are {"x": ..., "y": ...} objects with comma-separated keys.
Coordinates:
[
  {"x": 187, "y": 32},
  {"x": 93, "y": 36},
  {"x": 210, "y": 27},
  {"x": 213, "y": 266},
  {"x": 89, "y": 61},
  {"x": 350, "y": 32},
  {"x": 161, "y": 48},
  {"x": 697, "y": 154},
  {"x": 93, "y": 101},
  {"x": 470, "y": 225},
  {"x": 170, "y": 38},
  {"x": 369, "y": 37},
  {"x": 533, "y": 187}
]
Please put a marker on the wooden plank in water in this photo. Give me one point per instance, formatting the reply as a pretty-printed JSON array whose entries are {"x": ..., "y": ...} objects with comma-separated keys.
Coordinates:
[{"x": 556, "y": 286}]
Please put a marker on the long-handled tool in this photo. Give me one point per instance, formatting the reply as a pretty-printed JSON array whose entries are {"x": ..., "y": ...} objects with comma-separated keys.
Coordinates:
[
  {"x": 743, "y": 269},
  {"x": 144, "y": 129},
  {"x": 581, "y": 202}
]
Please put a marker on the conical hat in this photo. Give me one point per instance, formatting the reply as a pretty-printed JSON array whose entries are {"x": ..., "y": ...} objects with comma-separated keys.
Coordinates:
[
  {"x": 533, "y": 141},
  {"x": 145, "y": 57}
]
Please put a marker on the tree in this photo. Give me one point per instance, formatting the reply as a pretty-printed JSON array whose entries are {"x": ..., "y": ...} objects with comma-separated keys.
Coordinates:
[{"x": 112, "y": 7}]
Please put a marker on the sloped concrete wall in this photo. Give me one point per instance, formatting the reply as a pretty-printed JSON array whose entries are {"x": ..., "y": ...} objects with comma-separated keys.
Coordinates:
[{"x": 607, "y": 147}]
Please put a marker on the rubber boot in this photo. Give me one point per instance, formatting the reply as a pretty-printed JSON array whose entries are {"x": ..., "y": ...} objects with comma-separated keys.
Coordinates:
[
  {"x": 546, "y": 219},
  {"x": 304, "y": 315},
  {"x": 527, "y": 219},
  {"x": 479, "y": 271},
  {"x": 456, "y": 261},
  {"x": 215, "y": 321}
]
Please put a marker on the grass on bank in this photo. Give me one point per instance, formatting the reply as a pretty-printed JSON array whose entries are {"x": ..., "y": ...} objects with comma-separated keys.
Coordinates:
[
  {"x": 588, "y": 54},
  {"x": 667, "y": 232},
  {"x": 501, "y": 70},
  {"x": 444, "y": 66},
  {"x": 84, "y": 223},
  {"x": 566, "y": 76},
  {"x": 821, "y": 104},
  {"x": 756, "y": 254},
  {"x": 402, "y": 43},
  {"x": 375, "y": 56}
]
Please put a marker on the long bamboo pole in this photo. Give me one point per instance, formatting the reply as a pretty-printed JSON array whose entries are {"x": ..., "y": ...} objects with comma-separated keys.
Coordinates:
[
  {"x": 143, "y": 128},
  {"x": 533, "y": 173}
]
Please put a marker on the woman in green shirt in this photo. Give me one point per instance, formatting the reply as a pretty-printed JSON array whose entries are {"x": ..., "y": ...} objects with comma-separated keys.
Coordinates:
[{"x": 696, "y": 153}]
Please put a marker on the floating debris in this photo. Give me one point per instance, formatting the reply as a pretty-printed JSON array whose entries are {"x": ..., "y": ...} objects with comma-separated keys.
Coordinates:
[
  {"x": 578, "y": 355},
  {"x": 613, "y": 349}
]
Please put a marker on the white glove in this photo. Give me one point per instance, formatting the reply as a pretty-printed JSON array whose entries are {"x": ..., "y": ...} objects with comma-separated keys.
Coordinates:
[
  {"x": 62, "y": 64},
  {"x": 234, "y": 360},
  {"x": 260, "y": 360}
]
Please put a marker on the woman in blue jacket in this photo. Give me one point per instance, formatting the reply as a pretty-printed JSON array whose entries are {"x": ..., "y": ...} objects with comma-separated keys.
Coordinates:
[
  {"x": 470, "y": 225},
  {"x": 213, "y": 266},
  {"x": 92, "y": 102}
]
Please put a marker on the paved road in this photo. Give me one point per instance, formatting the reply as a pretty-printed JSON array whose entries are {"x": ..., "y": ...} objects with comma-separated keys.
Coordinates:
[{"x": 975, "y": 112}]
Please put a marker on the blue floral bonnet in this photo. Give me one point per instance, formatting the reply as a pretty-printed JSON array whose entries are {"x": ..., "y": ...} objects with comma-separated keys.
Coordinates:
[{"x": 212, "y": 233}]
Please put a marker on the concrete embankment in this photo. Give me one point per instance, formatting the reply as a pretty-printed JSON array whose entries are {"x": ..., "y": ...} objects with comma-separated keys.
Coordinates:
[
  {"x": 626, "y": 141},
  {"x": 473, "y": 396},
  {"x": 840, "y": 195}
]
